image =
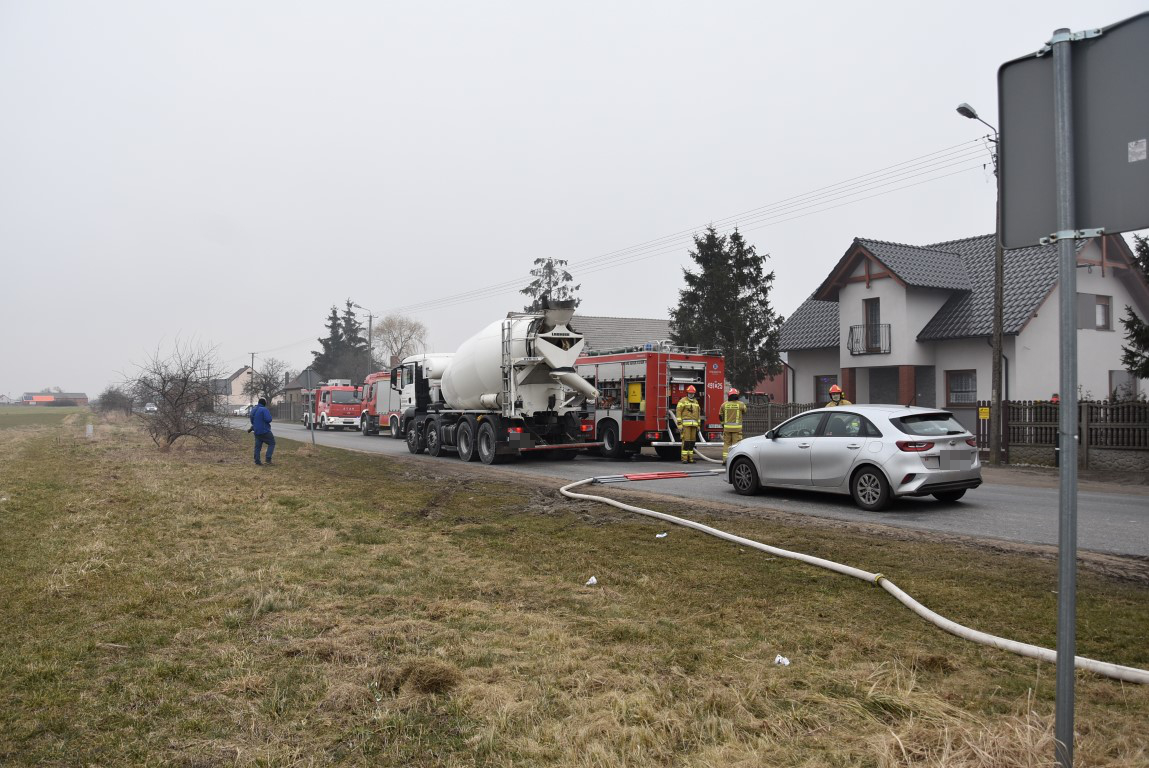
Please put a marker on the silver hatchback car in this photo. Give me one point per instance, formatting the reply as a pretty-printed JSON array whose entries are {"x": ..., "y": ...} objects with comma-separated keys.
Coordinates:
[{"x": 875, "y": 453}]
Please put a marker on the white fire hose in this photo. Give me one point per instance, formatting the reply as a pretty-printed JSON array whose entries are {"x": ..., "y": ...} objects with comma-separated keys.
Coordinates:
[{"x": 1115, "y": 671}]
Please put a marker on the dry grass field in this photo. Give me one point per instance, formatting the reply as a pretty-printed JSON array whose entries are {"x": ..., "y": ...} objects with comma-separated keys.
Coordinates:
[{"x": 190, "y": 609}]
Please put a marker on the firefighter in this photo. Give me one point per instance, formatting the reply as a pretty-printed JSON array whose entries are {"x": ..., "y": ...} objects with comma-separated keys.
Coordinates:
[
  {"x": 733, "y": 411},
  {"x": 688, "y": 414},
  {"x": 836, "y": 397}
]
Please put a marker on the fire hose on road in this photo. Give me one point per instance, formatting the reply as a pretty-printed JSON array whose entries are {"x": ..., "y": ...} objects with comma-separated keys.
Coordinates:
[{"x": 1115, "y": 671}]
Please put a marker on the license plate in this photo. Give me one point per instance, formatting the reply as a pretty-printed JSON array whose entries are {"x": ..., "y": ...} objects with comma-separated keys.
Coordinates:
[{"x": 956, "y": 460}]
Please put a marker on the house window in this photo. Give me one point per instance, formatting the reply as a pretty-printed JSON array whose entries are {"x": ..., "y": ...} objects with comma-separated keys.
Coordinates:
[
  {"x": 1122, "y": 385},
  {"x": 822, "y": 386},
  {"x": 961, "y": 388},
  {"x": 1094, "y": 312}
]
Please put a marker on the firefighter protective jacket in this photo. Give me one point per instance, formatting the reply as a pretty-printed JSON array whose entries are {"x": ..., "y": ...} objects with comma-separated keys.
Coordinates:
[
  {"x": 732, "y": 413},
  {"x": 688, "y": 412}
]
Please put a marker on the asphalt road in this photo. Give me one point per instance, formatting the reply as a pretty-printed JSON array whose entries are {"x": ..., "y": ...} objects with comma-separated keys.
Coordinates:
[{"x": 1116, "y": 523}]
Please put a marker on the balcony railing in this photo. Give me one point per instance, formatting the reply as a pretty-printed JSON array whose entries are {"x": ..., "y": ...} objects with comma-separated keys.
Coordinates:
[{"x": 873, "y": 339}]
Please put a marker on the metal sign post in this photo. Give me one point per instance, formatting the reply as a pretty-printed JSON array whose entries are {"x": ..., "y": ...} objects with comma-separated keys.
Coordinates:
[
  {"x": 1091, "y": 169},
  {"x": 1067, "y": 417}
]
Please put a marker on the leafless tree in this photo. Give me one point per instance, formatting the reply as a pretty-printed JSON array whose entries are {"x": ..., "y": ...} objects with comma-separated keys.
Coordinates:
[
  {"x": 181, "y": 385},
  {"x": 396, "y": 336},
  {"x": 269, "y": 380}
]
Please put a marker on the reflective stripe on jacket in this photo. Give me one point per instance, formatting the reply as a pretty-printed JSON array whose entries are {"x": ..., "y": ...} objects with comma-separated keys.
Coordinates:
[{"x": 732, "y": 413}]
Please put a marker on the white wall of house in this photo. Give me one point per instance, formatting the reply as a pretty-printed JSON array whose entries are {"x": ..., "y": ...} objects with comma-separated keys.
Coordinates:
[
  {"x": 810, "y": 363},
  {"x": 236, "y": 397},
  {"x": 905, "y": 309},
  {"x": 964, "y": 355},
  {"x": 1098, "y": 351}
]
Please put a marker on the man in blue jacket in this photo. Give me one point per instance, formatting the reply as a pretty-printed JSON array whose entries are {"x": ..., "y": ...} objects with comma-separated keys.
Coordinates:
[{"x": 261, "y": 426}]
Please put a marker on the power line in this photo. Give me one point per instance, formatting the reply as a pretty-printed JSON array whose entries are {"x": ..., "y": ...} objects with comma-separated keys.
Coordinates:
[{"x": 849, "y": 191}]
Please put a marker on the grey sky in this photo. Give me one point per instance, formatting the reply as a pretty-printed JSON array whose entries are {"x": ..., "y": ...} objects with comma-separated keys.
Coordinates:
[{"x": 223, "y": 172}]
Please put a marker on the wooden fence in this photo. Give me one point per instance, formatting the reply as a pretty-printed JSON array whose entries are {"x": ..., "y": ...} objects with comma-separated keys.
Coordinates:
[{"x": 1031, "y": 427}]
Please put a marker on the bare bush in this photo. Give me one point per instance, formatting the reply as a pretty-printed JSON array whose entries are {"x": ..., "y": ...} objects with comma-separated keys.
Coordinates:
[
  {"x": 180, "y": 384},
  {"x": 114, "y": 398}
]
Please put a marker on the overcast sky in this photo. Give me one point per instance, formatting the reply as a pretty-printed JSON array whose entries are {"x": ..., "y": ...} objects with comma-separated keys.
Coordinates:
[{"x": 223, "y": 172}]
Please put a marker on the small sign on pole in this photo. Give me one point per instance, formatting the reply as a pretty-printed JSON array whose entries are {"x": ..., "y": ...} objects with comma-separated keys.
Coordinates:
[{"x": 983, "y": 413}]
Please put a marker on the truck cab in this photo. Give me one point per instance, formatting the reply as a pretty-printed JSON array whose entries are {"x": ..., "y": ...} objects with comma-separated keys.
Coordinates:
[
  {"x": 379, "y": 405},
  {"x": 334, "y": 403}
]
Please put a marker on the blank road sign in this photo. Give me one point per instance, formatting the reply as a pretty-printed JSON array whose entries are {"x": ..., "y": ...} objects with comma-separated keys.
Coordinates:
[{"x": 1110, "y": 82}]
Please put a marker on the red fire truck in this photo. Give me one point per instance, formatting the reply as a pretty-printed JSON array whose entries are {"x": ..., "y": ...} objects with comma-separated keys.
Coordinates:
[
  {"x": 639, "y": 389},
  {"x": 334, "y": 403},
  {"x": 379, "y": 408}
]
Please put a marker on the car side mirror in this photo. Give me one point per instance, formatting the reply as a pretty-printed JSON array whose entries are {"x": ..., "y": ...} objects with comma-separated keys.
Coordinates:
[{"x": 770, "y": 435}]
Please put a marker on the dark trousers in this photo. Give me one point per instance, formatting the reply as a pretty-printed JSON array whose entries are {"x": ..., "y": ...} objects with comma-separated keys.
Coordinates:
[{"x": 259, "y": 441}]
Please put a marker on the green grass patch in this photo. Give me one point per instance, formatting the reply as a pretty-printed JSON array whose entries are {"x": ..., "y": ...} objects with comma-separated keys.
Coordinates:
[
  {"x": 14, "y": 416},
  {"x": 189, "y": 609}
]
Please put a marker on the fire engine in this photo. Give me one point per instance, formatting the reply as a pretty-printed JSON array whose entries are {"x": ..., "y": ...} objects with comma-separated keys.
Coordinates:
[
  {"x": 379, "y": 408},
  {"x": 639, "y": 388},
  {"x": 334, "y": 403}
]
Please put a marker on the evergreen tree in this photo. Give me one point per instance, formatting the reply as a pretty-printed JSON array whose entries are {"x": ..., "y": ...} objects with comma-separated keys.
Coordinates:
[
  {"x": 1135, "y": 356},
  {"x": 345, "y": 353},
  {"x": 551, "y": 279},
  {"x": 726, "y": 306},
  {"x": 355, "y": 361},
  {"x": 324, "y": 362}
]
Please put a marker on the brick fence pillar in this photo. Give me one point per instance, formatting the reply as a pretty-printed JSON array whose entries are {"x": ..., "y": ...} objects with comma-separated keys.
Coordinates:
[
  {"x": 849, "y": 384},
  {"x": 907, "y": 384}
]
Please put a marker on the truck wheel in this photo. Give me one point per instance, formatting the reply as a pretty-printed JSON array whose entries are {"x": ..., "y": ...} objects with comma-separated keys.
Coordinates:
[
  {"x": 323, "y": 424},
  {"x": 668, "y": 452},
  {"x": 466, "y": 440},
  {"x": 432, "y": 437},
  {"x": 396, "y": 433},
  {"x": 611, "y": 445},
  {"x": 487, "y": 444},
  {"x": 415, "y": 442},
  {"x": 364, "y": 425}
]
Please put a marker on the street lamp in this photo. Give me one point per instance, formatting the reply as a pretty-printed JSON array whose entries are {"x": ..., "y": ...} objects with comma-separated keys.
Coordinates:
[
  {"x": 370, "y": 322},
  {"x": 995, "y": 413}
]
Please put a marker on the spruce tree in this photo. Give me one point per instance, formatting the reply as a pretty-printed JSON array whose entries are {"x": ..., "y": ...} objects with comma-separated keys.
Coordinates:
[
  {"x": 551, "y": 279},
  {"x": 1135, "y": 356},
  {"x": 726, "y": 306},
  {"x": 324, "y": 362}
]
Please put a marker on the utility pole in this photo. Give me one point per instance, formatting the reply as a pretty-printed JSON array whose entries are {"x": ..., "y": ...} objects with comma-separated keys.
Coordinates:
[
  {"x": 251, "y": 378},
  {"x": 370, "y": 322},
  {"x": 995, "y": 400}
]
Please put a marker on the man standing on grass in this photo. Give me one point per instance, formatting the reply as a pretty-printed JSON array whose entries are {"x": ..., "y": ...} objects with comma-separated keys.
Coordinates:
[{"x": 261, "y": 426}]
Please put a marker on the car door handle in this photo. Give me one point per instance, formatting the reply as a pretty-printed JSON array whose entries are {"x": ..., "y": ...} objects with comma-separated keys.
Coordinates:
[
  {"x": 804, "y": 445},
  {"x": 853, "y": 446}
]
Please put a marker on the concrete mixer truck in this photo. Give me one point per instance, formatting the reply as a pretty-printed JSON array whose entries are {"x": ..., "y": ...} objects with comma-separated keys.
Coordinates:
[{"x": 511, "y": 388}]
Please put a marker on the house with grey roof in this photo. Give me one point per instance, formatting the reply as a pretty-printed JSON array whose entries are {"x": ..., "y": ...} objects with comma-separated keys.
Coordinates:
[
  {"x": 913, "y": 324},
  {"x": 606, "y": 333},
  {"x": 230, "y": 390}
]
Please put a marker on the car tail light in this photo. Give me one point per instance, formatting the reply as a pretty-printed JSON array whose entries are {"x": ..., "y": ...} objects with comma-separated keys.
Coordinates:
[
  {"x": 971, "y": 442},
  {"x": 514, "y": 430},
  {"x": 908, "y": 478},
  {"x": 586, "y": 428},
  {"x": 914, "y": 446}
]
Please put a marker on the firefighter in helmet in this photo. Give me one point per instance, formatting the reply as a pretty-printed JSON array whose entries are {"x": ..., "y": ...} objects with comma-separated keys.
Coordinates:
[
  {"x": 836, "y": 397},
  {"x": 733, "y": 411},
  {"x": 688, "y": 414}
]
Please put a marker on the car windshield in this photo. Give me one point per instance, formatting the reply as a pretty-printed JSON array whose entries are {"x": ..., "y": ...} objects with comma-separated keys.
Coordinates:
[
  {"x": 930, "y": 425},
  {"x": 344, "y": 396}
]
